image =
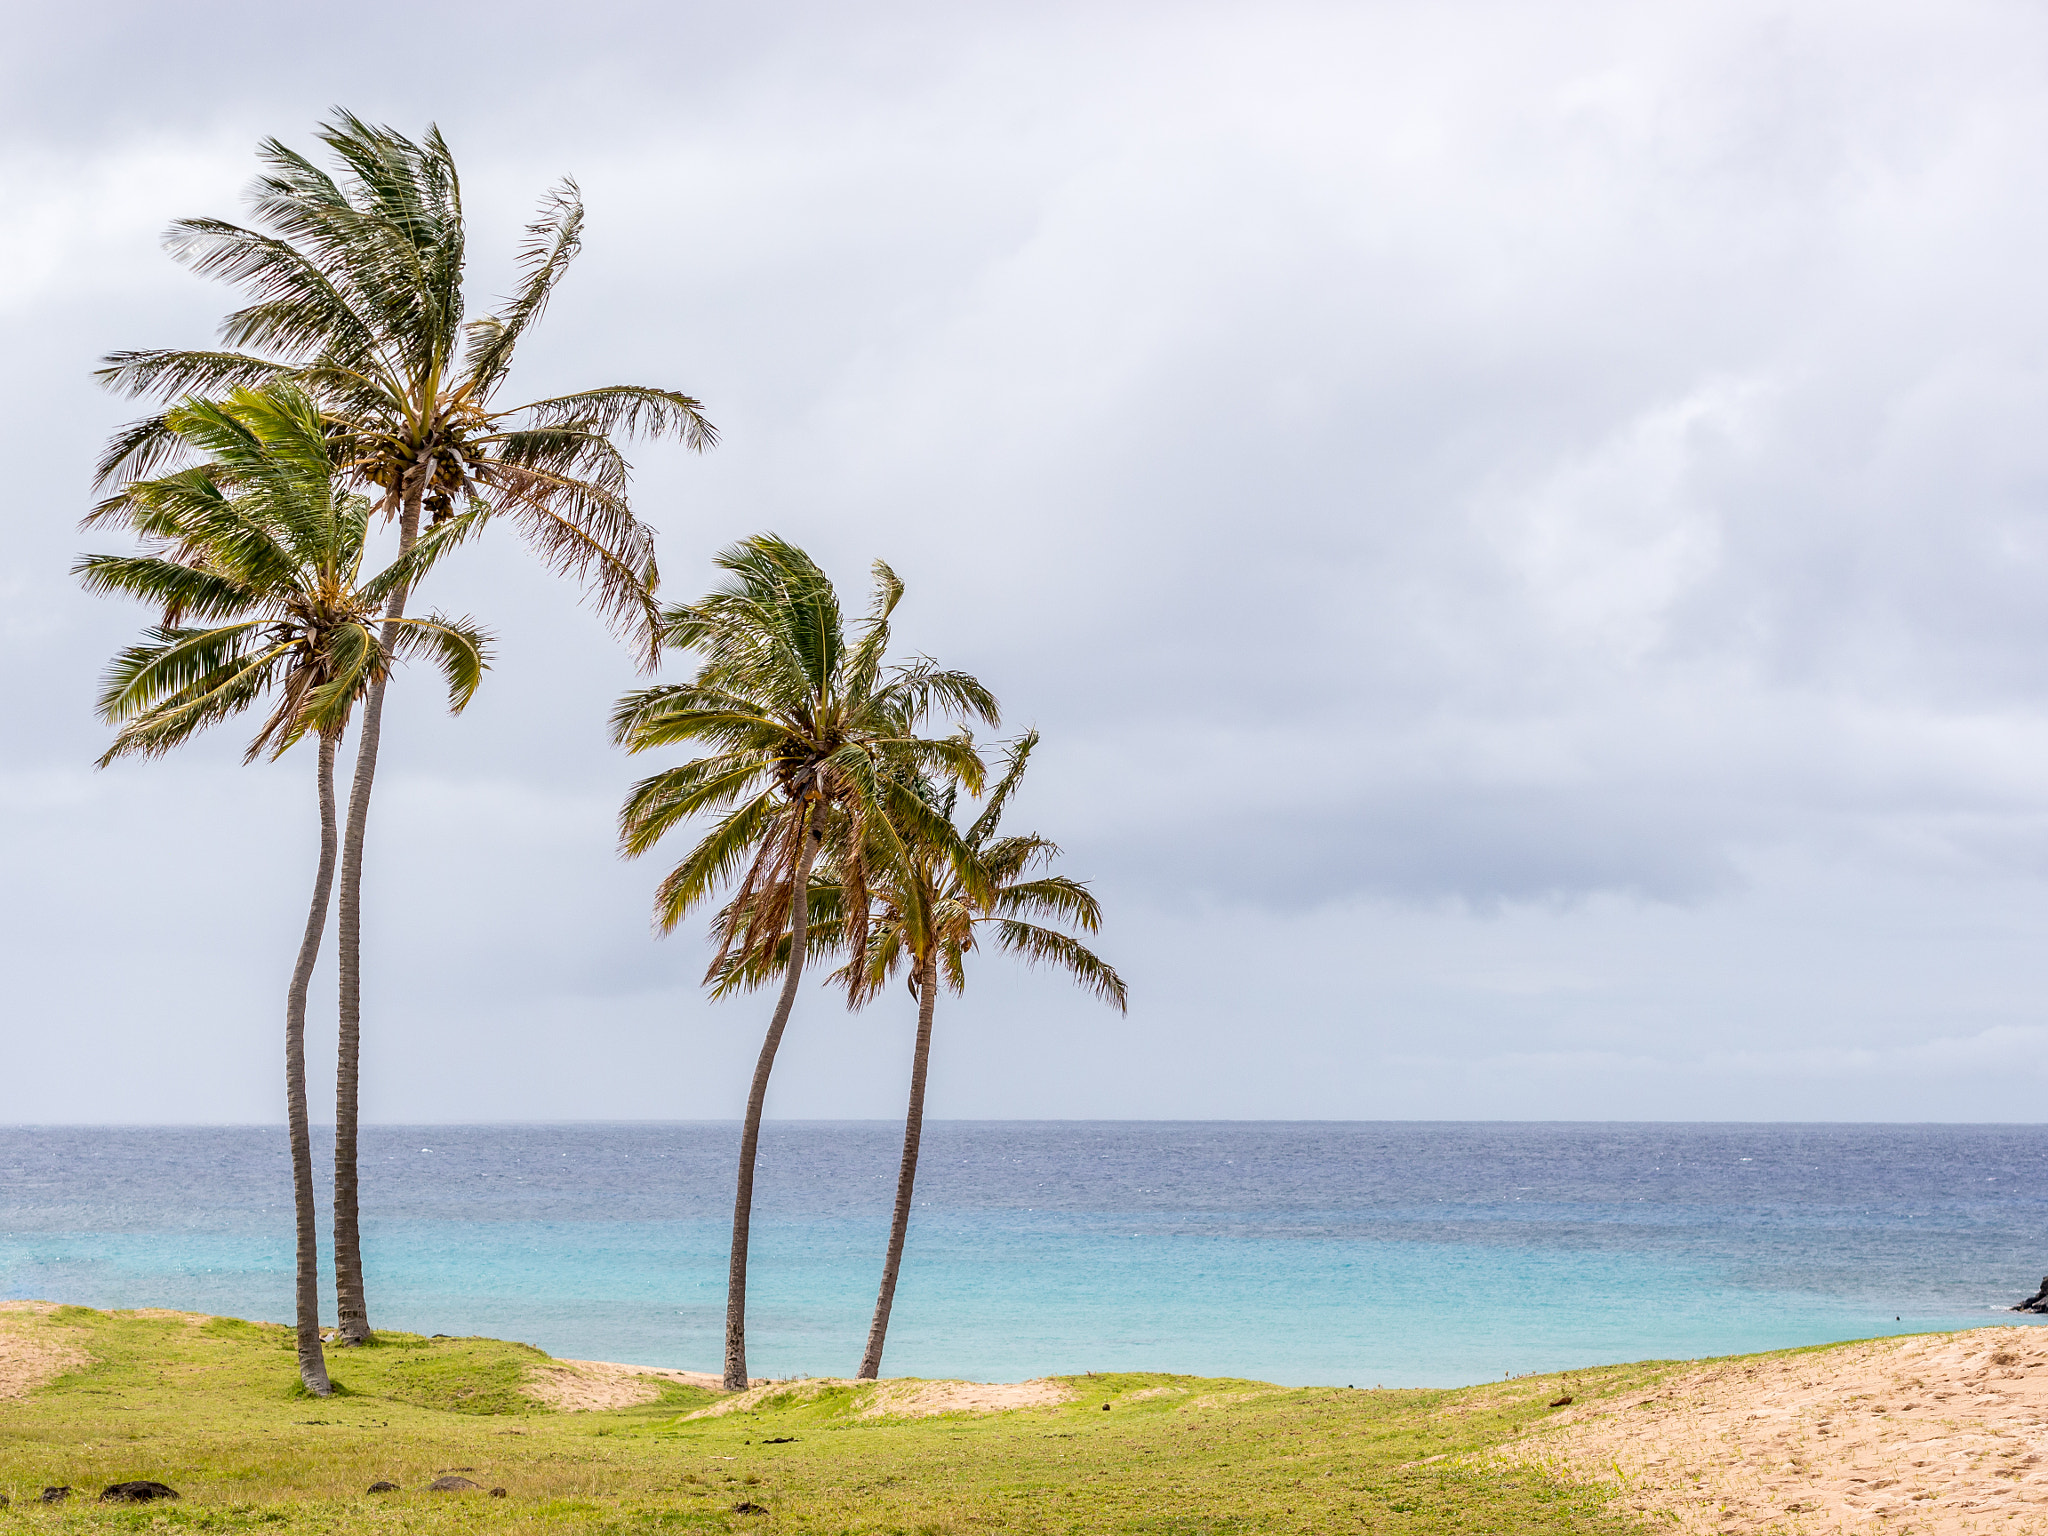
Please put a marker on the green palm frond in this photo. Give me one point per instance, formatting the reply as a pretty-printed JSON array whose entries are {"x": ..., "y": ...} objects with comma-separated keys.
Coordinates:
[
  {"x": 673, "y": 714},
  {"x": 656, "y": 805},
  {"x": 180, "y": 590},
  {"x": 170, "y": 662},
  {"x": 458, "y": 647},
  {"x": 714, "y": 861}
]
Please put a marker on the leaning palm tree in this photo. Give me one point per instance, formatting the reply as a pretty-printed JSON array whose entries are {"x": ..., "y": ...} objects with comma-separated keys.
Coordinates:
[
  {"x": 932, "y": 907},
  {"x": 803, "y": 732},
  {"x": 355, "y": 281},
  {"x": 254, "y": 560}
]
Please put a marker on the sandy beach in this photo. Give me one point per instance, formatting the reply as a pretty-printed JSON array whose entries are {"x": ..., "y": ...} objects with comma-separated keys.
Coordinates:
[{"x": 1942, "y": 1435}]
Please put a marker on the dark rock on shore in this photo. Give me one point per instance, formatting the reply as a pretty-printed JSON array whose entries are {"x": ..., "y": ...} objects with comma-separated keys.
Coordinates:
[
  {"x": 2038, "y": 1302},
  {"x": 142, "y": 1491}
]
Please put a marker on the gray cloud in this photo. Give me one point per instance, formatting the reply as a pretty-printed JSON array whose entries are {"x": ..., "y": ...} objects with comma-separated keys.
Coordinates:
[{"x": 1464, "y": 474}]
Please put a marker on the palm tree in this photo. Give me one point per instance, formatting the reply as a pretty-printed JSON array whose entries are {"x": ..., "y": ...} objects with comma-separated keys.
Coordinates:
[
  {"x": 255, "y": 560},
  {"x": 802, "y": 730},
  {"x": 933, "y": 906},
  {"x": 355, "y": 282}
]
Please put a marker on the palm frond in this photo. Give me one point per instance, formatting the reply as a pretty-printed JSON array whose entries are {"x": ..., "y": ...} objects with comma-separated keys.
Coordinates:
[
  {"x": 181, "y": 591},
  {"x": 458, "y": 647},
  {"x": 552, "y": 241},
  {"x": 714, "y": 861},
  {"x": 631, "y": 408},
  {"x": 1037, "y": 945},
  {"x": 1052, "y": 896},
  {"x": 170, "y": 373},
  {"x": 1015, "y": 760}
]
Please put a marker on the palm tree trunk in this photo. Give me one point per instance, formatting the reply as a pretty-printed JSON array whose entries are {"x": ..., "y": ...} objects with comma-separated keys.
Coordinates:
[
  {"x": 906, "y": 1172},
  {"x": 352, "y": 1303},
  {"x": 312, "y": 1362},
  {"x": 750, "y": 1133}
]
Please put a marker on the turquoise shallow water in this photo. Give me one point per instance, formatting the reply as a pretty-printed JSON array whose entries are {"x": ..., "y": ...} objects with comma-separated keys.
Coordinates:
[{"x": 1367, "y": 1254}]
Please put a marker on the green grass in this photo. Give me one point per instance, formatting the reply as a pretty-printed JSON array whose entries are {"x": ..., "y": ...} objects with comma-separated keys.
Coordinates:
[{"x": 214, "y": 1410}]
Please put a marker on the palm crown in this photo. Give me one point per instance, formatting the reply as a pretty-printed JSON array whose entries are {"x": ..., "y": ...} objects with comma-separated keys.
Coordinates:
[
  {"x": 356, "y": 289},
  {"x": 254, "y": 559},
  {"x": 804, "y": 730}
]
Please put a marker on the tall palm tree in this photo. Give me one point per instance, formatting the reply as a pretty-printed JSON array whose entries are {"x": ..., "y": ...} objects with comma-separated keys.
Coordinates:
[
  {"x": 801, "y": 731},
  {"x": 355, "y": 281},
  {"x": 933, "y": 905},
  {"x": 255, "y": 560}
]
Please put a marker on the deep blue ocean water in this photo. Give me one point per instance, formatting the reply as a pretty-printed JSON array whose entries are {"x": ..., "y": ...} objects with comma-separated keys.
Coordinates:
[{"x": 1366, "y": 1254}]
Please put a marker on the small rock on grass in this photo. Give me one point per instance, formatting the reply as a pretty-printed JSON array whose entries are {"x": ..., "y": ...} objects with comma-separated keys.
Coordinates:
[
  {"x": 744, "y": 1508},
  {"x": 56, "y": 1495},
  {"x": 498, "y": 1493},
  {"x": 380, "y": 1486},
  {"x": 452, "y": 1485},
  {"x": 141, "y": 1491}
]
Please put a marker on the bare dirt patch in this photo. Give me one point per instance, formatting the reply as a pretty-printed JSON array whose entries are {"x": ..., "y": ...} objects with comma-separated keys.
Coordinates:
[
  {"x": 31, "y": 1354},
  {"x": 579, "y": 1386},
  {"x": 1940, "y": 1436}
]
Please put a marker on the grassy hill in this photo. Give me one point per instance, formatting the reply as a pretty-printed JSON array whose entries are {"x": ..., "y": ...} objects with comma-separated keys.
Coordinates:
[{"x": 212, "y": 1407}]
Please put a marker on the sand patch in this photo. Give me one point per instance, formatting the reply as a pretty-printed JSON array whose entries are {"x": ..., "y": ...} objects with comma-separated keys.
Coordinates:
[
  {"x": 1939, "y": 1436},
  {"x": 905, "y": 1398},
  {"x": 580, "y": 1386},
  {"x": 920, "y": 1399},
  {"x": 29, "y": 1359}
]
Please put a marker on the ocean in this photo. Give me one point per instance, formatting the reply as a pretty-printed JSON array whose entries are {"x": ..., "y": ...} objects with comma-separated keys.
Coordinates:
[{"x": 1370, "y": 1254}]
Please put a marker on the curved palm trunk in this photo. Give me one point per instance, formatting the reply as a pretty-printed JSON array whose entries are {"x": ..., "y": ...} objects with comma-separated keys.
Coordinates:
[
  {"x": 312, "y": 1362},
  {"x": 750, "y": 1133},
  {"x": 352, "y": 1304},
  {"x": 906, "y": 1172}
]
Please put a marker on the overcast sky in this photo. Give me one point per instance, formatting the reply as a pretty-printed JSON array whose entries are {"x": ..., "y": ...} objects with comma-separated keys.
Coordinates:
[{"x": 1524, "y": 528}]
